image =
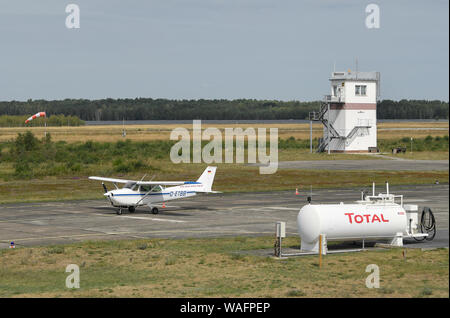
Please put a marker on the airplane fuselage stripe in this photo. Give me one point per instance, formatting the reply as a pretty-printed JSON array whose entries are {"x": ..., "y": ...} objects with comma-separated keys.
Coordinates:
[{"x": 159, "y": 193}]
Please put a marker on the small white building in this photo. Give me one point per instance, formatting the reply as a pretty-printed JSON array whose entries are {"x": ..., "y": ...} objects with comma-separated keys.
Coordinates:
[{"x": 349, "y": 113}]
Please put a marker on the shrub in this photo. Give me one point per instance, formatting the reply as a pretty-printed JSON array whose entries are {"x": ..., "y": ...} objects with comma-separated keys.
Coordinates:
[
  {"x": 56, "y": 250},
  {"x": 25, "y": 142},
  {"x": 122, "y": 167},
  {"x": 22, "y": 169},
  {"x": 142, "y": 246},
  {"x": 295, "y": 293},
  {"x": 170, "y": 260},
  {"x": 89, "y": 145},
  {"x": 136, "y": 165},
  {"x": 426, "y": 291}
]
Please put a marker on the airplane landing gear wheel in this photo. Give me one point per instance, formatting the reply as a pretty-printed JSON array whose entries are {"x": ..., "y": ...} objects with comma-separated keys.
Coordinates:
[
  {"x": 131, "y": 209},
  {"x": 119, "y": 212},
  {"x": 155, "y": 211}
]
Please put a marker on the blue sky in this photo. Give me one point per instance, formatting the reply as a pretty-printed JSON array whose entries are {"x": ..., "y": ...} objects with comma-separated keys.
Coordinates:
[{"x": 191, "y": 49}]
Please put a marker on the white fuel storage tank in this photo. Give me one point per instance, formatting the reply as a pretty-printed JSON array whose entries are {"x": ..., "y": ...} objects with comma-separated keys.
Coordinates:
[{"x": 342, "y": 222}]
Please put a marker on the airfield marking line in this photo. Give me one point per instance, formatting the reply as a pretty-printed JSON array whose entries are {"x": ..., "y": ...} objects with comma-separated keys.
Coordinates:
[
  {"x": 170, "y": 206},
  {"x": 22, "y": 220},
  {"x": 150, "y": 219},
  {"x": 280, "y": 208},
  {"x": 163, "y": 220},
  {"x": 136, "y": 233},
  {"x": 20, "y": 206},
  {"x": 49, "y": 218},
  {"x": 138, "y": 217},
  {"x": 55, "y": 237},
  {"x": 66, "y": 211}
]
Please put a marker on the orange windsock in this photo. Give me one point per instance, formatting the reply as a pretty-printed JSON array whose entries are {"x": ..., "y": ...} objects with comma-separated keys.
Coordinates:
[{"x": 40, "y": 114}]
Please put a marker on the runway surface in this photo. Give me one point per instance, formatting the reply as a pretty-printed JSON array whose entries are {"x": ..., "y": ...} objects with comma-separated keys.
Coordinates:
[
  {"x": 372, "y": 165},
  {"x": 236, "y": 214}
]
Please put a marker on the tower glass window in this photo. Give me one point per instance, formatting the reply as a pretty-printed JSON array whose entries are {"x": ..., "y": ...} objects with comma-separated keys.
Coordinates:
[
  {"x": 363, "y": 89},
  {"x": 360, "y": 90}
]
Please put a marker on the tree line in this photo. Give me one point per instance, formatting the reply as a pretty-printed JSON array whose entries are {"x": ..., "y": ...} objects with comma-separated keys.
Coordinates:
[
  {"x": 412, "y": 109},
  {"x": 238, "y": 109}
]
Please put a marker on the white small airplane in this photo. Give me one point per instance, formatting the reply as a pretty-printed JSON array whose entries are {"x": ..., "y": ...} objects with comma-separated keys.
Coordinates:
[{"x": 139, "y": 193}]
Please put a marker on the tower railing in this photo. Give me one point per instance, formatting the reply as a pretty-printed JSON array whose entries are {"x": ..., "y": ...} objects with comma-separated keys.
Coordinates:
[
  {"x": 339, "y": 98},
  {"x": 331, "y": 131}
]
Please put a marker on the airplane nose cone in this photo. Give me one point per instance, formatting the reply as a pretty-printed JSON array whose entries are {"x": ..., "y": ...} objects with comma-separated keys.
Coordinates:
[{"x": 109, "y": 196}]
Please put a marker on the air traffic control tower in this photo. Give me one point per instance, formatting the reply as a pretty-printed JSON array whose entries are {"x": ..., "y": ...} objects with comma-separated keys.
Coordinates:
[{"x": 349, "y": 114}]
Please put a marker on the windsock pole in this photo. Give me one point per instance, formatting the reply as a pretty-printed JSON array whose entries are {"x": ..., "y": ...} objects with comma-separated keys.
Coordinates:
[{"x": 45, "y": 126}]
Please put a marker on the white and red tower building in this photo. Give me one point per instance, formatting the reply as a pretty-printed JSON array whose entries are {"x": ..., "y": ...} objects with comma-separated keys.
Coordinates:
[{"x": 349, "y": 113}]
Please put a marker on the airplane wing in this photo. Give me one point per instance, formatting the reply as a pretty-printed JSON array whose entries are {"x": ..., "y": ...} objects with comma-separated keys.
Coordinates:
[
  {"x": 209, "y": 192},
  {"x": 111, "y": 180},
  {"x": 166, "y": 182}
]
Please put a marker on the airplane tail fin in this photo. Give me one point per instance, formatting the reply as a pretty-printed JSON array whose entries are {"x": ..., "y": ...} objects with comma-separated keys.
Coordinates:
[{"x": 207, "y": 178}]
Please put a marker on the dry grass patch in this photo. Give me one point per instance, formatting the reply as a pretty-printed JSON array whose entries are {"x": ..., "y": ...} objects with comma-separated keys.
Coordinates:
[
  {"x": 207, "y": 268},
  {"x": 112, "y": 133},
  {"x": 229, "y": 178}
]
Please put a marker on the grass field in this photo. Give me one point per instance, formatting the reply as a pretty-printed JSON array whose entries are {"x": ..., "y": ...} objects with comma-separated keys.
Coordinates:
[
  {"x": 59, "y": 170},
  {"x": 111, "y": 133},
  {"x": 216, "y": 268},
  {"x": 229, "y": 178}
]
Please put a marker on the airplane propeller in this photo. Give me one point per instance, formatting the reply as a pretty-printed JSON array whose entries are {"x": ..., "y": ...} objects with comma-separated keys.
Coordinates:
[{"x": 104, "y": 187}]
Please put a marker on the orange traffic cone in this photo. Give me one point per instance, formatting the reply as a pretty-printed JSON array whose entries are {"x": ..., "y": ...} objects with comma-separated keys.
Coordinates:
[
  {"x": 296, "y": 191},
  {"x": 164, "y": 205}
]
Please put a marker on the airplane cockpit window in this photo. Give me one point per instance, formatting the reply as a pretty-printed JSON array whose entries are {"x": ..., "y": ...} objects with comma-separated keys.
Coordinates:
[
  {"x": 145, "y": 188},
  {"x": 157, "y": 188}
]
